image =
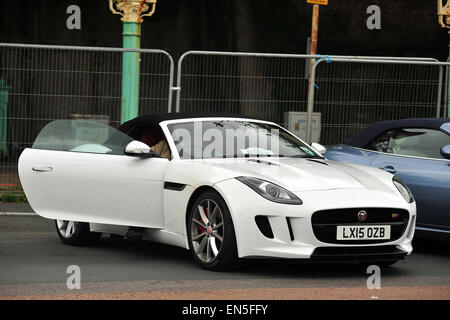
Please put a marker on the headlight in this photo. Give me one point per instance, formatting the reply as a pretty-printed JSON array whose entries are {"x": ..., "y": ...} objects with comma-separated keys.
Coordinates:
[
  {"x": 271, "y": 191},
  {"x": 403, "y": 189}
]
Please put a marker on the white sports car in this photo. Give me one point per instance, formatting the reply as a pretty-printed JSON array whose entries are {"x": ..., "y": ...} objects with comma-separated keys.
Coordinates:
[{"x": 223, "y": 187}]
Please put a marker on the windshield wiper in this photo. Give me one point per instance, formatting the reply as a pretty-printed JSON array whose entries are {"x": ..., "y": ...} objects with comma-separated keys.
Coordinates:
[{"x": 307, "y": 156}]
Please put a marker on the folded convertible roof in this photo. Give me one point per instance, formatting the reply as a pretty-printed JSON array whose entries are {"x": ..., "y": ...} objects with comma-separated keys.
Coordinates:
[
  {"x": 365, "y": 136},
  {"x": 155, "y": 119}
]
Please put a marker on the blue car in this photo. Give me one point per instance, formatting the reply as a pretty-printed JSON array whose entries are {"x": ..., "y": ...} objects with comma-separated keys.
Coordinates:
[{"x": 418, "y": 152}]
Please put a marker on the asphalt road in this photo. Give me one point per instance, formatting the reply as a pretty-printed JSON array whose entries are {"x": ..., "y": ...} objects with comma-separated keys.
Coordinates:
[{"x": 33, "y": 264}]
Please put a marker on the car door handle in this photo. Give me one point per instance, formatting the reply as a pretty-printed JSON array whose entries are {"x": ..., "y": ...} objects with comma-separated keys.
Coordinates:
[
  {"x": 390, "y": 169},
  {"x": 43, "y": 169}
]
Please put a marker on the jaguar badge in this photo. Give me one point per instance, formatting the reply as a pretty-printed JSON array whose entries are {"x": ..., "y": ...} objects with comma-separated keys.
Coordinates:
[{"x": 362, "y": 216}]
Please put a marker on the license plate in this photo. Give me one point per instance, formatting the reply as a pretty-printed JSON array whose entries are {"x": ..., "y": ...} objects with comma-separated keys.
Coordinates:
[{"x": 363, "y": 233}]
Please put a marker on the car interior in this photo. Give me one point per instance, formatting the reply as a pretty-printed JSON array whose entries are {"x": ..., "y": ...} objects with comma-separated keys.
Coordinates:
[
  {"x": 154, "y": 138},
  {"x": 414, "y": 142}
]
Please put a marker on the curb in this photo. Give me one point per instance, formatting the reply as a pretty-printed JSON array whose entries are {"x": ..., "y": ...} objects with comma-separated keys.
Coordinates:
[{"x": 18, "y": 214}]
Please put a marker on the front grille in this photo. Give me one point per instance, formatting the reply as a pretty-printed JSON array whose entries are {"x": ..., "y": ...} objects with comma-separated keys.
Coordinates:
[
  {"x": 325, "y": 223},
  {"x": 376, "y": 253}
]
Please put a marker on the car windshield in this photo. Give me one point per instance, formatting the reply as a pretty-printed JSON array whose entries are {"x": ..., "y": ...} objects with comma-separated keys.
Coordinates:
[
  {"x": 81, "y": 136},
  {"x": 236, "y": 139}
]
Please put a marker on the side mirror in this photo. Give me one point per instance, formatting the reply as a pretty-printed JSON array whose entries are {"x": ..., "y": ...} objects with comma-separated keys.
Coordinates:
[
  {"x": 139, "y": 149},
  {"x": 445, "y": 151},
  {"x": 446, "y": 127},
  {"x": 319, "y": 148}
]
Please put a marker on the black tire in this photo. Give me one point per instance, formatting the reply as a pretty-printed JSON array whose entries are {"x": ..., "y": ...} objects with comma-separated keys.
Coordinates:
[
  {"x": 81, "y": 235},
  {"x": 226, "y": 258}
]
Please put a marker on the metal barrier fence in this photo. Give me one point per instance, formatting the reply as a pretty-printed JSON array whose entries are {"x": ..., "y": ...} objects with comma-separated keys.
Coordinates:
[
  {"x": 250, "y": 84},
  {"x": 43, "y": 83},
  {"x": 352, "y": 93},
  {"x": 349, "y": 96}
]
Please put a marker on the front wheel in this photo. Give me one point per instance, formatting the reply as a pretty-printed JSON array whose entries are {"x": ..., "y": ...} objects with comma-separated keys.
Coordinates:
[
  {"x": 211, "y": 233},
  {"x": 75, "y": 233}
]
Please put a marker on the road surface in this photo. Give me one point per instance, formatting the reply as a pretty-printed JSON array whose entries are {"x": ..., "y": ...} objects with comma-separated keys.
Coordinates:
[{"x": 34, "y": 263}]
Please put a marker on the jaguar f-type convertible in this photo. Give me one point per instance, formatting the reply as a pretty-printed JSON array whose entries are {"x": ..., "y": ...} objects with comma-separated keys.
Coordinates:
[{"x": 222, "y": 186}]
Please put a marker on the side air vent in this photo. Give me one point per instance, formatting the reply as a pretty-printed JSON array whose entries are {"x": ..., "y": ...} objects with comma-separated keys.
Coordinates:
[
  {"x": 264, "y": 226},
  {"x": 291, "y": 234}
]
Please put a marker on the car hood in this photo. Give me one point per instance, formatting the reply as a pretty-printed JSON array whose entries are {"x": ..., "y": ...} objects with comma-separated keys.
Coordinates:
[{"x": 294, "y": 174}]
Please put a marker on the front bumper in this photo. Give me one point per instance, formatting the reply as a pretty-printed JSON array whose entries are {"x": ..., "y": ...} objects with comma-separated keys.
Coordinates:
[
  {"x": 358, "y": 254},
  {"x": 293, "y": 236}
]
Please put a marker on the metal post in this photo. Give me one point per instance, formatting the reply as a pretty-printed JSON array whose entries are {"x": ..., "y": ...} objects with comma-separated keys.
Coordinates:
[
  {"x": 439, "y": 95},
  {"x": 314, "y": 29},
  {"x": 448, "y": 79},
  {"x": 132, "y": 12},
  {"x": 130, "y": 71},
  {"x": 4, "y": 89},
  {"x": 312, "y": 79},
  {"x": 313, "y": 51},
  {"x": 444, "y": 21}
]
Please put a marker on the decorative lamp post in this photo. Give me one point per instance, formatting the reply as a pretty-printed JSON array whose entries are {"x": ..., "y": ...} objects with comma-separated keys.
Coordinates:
[
  {"x": 444, "y": 21},
  {"x": 132, "y": 12}
]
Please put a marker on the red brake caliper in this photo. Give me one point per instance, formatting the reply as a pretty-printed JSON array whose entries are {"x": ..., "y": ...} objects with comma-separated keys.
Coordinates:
[{"x": 200, "y": 228}]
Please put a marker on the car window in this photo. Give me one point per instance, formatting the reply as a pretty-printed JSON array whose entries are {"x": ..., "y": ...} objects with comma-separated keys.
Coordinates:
[
  {"x": 81, "y": 136},
  {"x": 381, "y": 143},
  {"x": 235, "y": 139},
  {"x": 425, "y": 143}
]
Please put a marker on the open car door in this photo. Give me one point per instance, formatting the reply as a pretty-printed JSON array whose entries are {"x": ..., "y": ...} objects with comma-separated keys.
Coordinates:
[{"x": 77, "y": 171}]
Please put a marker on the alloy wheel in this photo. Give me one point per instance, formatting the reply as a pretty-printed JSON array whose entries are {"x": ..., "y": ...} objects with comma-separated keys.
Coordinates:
[
  {"x": 207, "y": 230},
  {"x": 66, "y": 228}
]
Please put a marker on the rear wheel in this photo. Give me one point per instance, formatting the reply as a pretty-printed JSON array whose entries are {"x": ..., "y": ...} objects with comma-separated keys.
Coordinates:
[
  {"x": 211, "y": 233},
  {"x": 75, "y": 233}
]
